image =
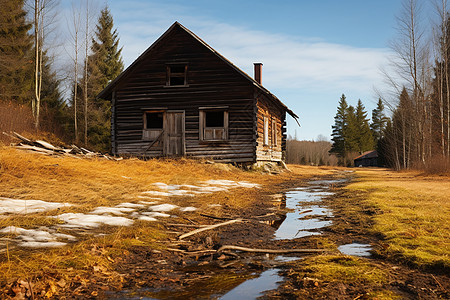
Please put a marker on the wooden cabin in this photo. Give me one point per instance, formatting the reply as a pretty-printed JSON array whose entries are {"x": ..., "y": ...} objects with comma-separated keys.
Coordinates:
[
  {"x": 367, "y": 159},
  {"x": 182, "y": 98}
]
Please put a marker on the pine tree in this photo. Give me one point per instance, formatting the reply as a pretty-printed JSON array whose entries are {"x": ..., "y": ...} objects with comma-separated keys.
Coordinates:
[
  {"x": 339, "y": 128},
  {"x": 16, "y": 65},
  {"x": 379, "y": 121},
  {"x": 351, "y": 133},
  {"x": 364, "y": 137},
  {"x": 104, "y": 65}
]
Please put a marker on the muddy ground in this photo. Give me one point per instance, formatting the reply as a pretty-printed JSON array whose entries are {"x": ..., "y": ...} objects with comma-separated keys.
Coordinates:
[{"x": 192, "y": 269}]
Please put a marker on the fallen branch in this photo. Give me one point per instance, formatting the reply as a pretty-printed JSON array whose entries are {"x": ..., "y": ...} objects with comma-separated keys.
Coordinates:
[
  {"x": 201, "y": 252},
  {"x": 279, "y": 251},
  {"x": 214, "y": 217},
  {"x": 208, "y": 228}
]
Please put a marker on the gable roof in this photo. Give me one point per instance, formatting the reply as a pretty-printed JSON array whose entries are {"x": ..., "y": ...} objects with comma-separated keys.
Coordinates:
[
  {"x": 368, "y": 154},
  {"x": 107, "y": 91}
]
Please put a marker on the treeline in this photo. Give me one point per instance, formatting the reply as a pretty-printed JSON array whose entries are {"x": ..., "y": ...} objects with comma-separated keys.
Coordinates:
[
  {"x": 418, "y": 134},
  {"x": 353, "y": 134},
  {"x": 64, "y": 102},
  {"x": 315, "y": 153}
]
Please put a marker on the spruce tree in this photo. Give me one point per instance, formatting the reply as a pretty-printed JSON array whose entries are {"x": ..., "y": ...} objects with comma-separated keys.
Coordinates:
[
  {"x": 351, "y": 133},
  {"x": 364, "y": 135},
  {"x": 379, "y": 121},
  {"x": 339, "y": 128},
  {"x": 104, "y": 65},
  {"x": 16, "y": 66}
]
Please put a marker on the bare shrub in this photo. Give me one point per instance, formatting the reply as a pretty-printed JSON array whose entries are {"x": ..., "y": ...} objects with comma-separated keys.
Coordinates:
[
  {"x": 14, "y": 117},
  {"x": 309, "y": 153},
  {"x": 439, "y": 165}
]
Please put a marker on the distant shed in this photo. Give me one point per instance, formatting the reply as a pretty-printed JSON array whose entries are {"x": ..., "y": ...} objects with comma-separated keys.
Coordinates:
[
  {"x": 183, "y": 98},
  {"x": 367, "y": 159}
]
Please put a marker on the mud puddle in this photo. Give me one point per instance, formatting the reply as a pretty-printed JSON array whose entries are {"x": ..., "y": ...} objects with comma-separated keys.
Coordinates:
[{"x": 306, "y": 216}]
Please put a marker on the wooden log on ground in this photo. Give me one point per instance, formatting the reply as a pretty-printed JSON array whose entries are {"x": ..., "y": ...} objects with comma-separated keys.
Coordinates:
[
  {"x": 274, "y": 251},
  {"x": 208, "y": 228}
]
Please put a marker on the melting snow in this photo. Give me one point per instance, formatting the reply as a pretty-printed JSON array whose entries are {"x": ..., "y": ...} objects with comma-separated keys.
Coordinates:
[
  {"x": 163, "y": 207},
  {"x": 122, "y": 214},
  {"x": 146, "y": 218},
  {"x": 101, "y": 210},
  {"x": 88, "y": 220},
  {"x": 131, "y": 205},
  {"x": 189, "y": 208},
  {"x": 155, "y": 214},
  {"x": 37, "y": 238},
  {"x": 18, "y": 206},
  {"x": 209, "y": 186}
]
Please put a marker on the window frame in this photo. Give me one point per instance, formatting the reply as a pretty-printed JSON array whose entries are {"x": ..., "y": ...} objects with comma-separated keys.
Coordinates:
[
  {"x": 151, "y": 134},
  {"x": 202, "y": 124},
  {"x": 266, "y": 131},
  {"x": 169, "y": 74},
  {"x": 274, "y": 132}
]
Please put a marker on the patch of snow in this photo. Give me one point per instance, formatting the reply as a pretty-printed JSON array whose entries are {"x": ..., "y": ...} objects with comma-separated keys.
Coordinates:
[
  {"x": 102, "y": 210},
  {"x": 130, "y": 205},
  {"x": 155, "y": 214},
  {"x": 215, "y": 205},
  {"x": 91, "y": 220},
  {"x": 163, "y": 207},
  {"x": 42, "y": 244},
  {"x": 189, "y": 208},
  {"x": 148, "y": 202},
  {"x": 212, "y": 189},
  {"x": 157, "y": 193},
  {"x": 19, "y": 206},
  {"x": 161, "y": 185},
  {"x": 126, "y": 177},
  {"x": 246, "y": 184},
  {"x": 36, "y": 238},
  {"x": 146, "y": 218}
]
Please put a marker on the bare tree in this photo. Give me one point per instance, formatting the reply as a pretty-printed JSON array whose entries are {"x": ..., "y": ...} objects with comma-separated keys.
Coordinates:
[
  {"x": 44, "y": 14},
  {"x": 412, "y": 65},
  {"x": 87, "y": 45},
  {"x": 74, "y": 29}
]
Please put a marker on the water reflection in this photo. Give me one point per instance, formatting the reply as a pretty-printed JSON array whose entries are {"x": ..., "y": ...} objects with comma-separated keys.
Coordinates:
[
  {"x": 308, "y": 215},
  {"x": 356, "y": 249}
]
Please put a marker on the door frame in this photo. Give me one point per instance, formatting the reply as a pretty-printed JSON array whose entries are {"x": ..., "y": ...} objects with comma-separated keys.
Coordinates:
[{"x": 166, "y": 133}]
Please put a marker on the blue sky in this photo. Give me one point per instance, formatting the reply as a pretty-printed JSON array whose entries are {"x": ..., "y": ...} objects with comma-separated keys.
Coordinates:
[{"x": 312, "y": 51}]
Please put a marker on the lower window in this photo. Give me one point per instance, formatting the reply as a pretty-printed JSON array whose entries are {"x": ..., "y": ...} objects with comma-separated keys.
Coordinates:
[{"x": 213, "y": 124}]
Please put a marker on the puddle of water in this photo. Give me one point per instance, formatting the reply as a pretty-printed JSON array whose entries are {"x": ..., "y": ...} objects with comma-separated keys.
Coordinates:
[
  {"x": 254, "y": 288},
  {"x": 356, "y": 249},
  {"x": 306, "y": 218}
]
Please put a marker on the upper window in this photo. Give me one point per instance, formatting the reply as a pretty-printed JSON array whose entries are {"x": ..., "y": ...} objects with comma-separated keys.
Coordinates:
[
  {"x": 177, "y": 75},
  {"x": 213, "y": 124}
]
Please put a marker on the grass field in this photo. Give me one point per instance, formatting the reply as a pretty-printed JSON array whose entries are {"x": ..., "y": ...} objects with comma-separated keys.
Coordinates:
[
  {"x": 413, "y": 215},
  {"x": 409, "y": 215}
]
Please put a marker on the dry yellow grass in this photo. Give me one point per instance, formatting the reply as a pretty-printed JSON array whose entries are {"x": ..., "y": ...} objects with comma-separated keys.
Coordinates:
[
  {"x": 415, "y": 214},
  {"x": 89, "y": 183}
]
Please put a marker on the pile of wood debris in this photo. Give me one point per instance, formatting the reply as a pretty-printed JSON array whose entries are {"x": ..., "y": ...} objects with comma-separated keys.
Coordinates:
[{"x": 43, "y": 147}]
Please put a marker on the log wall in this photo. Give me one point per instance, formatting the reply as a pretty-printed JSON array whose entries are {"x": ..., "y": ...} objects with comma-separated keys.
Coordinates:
[{"x": 210, "y": 82}]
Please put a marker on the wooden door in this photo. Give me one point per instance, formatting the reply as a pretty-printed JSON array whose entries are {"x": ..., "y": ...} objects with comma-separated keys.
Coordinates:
[{"x": 174, "y": 133}]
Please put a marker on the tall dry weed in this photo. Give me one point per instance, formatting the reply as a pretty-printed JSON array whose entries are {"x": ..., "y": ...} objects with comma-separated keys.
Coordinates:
[
  {"x": 437, "y": 165},
  {"x": 14, "y": 117}
]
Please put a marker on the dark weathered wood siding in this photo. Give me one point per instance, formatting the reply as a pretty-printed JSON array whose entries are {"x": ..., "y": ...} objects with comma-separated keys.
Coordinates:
[{"x": 211, "y": 82}]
